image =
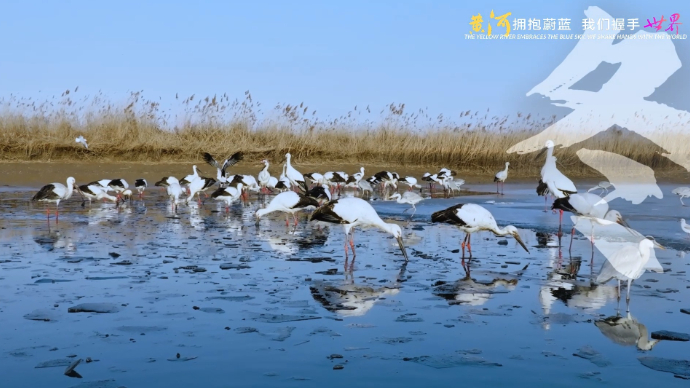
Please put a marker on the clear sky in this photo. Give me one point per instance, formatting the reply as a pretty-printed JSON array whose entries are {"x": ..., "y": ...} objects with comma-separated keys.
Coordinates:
[{"x": 332, "y": 55}]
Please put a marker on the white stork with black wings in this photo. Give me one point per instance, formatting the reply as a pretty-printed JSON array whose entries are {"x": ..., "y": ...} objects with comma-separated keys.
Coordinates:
[{"x": 222, "y": 167}]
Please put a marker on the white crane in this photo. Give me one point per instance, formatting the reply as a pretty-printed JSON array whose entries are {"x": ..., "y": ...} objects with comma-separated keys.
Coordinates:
[
  {"x": 228, "y": 195},
  {"x": 409, "y": 198},
  {"x": 283, "y": 183},
  {"x": 352, "y": 212},
  {"x": 264, "y": 176},
  {"x": 627, "y": 264},
  {"x": 682, "y": 192},
  {"x": 295, "y": 177},
  {"x": 288, "y": 202},
  {"x": 190, "y": 178},
  {"x": 410, "y": 182},
  {"x": 141, "y": 184},
  {"x": 94, "y": 191},
  {"x": 501, "y": 177},
  {"x": 471, "y": 218},
  {"x": 56, "y": 192},
  {"x": 81, "y": 140},
  {"x": 173, "y": 188},
  {"x": 553, "y": 181}
]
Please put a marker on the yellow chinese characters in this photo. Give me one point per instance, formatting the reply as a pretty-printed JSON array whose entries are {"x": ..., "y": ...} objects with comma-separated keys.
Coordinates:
[{"x": 477, "y": 21}]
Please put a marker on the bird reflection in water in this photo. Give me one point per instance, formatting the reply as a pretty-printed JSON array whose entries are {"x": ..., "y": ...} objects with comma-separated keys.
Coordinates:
[
  {"x": 469, "y": 291},
  {"x": 626, "y": 331},
  {"x": 348, "y": 299},
  {"x": 52, "y": 239}
]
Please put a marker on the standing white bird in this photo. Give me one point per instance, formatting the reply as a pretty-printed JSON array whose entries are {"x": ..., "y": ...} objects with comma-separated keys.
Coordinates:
[
  {"x": 228, "y": 195},
  {"x": 141, "y": 184},
  {"x": 55, "y": 192},
  {"x": 352, "y": 212},
  {"x": 627, "y": 264},
  {"x": 387, "y": 178},
  {"x": 366, "y": 188},
  {"x": 81, "y": 140},
  {"x": 189, "y": 178},
  {"x": 288, "y": 202},
  {"x": 173, "y": 189},
  {"x": 682, "y": 192},
  {"x": 296, "y": 178},
  {"x": 472, "y": 218},
  {"x": 264, "y": 176},
  {"x": 685, "y": 227},
  {"x": 283, "y": 183},
  {"x": 553, "y": 181},
  {"x": 408, "y": 197},
  {"x": 452, "y": 186},
  {"x": 94, "y": 191},
  {"x": 410, "y": 182},
  {"x": 501, "y": 177}
]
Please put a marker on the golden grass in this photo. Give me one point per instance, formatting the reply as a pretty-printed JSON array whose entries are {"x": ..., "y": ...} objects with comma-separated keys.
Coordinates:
[{"x": 141, "y": 131}]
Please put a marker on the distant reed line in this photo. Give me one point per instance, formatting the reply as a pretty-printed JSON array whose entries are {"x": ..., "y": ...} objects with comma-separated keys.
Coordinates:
[{"x": 141, "y": 131}]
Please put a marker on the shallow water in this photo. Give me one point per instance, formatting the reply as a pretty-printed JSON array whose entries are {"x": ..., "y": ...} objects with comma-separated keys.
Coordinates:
[{"x": 268, "y": 305}]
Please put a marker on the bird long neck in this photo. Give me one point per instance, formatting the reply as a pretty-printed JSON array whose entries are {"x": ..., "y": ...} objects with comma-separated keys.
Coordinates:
[
  {"x": 266, "y": 166},
  {"x": 70, "y": 189},
  {"x": 498, "y": 231},
  {"x": 506, "y": 170},
  {"x": 195, "y": 173}
]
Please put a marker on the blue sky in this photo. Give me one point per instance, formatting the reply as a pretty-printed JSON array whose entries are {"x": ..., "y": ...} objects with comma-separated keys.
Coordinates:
[{"x": 330, "y": 55}]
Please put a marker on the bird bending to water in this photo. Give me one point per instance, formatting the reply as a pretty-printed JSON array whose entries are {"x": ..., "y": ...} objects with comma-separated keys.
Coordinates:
[
  {"x": 173, "y": 188},
  {"x": 501, "y": 177},
  {"x": 94, "y": 191},
  {"x": 118, "y": 186},
  {"x": 408, "y": 197},
  {"x": 56, "y": 192},
  {"x": 472, "y": 218},
  {"x": 288, "y": 202},
  {"x": 627, "y": 264},
  {"x": 228, "y": 195},
  {"x": 352, "y": 212}
]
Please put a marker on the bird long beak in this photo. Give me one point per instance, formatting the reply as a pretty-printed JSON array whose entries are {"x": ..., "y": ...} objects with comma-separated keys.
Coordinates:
[
  {"x": 402, "y": 248},
  {"x": 621, "y": 221},
  {"x": 540, "y": 153},
  {"x": 519, "y": 240},
  {"x": 657, "y": 245}
]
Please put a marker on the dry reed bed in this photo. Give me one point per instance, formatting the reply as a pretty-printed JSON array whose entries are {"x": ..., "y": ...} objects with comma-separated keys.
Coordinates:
[{"x": 142, "y": 132}]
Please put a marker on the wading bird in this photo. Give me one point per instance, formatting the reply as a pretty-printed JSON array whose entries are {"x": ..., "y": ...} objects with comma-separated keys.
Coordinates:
[
  {"x": 288, "y": 202},
  {"x": 627, "y": 264},
  {"x": 118, "y": 185},
  {"x": 352, "y": 212},
  {"x": 501, "y": 177},
  {"x": 264, "y": 177},
  {"x": 94, "y": 191},
  {"x": 471, "y": 218},
  {"x": 553, "y": 181},
  {"x": 409, "y": 198},
  {"x": 228, "y": 195},
  {"x": 198, "y": 186},
  {"x": 685, "y": 227},
  {"x": 295, "y": 177},
  {"x": 173, "y": 188},
  {"x": 56, "y": 192},
  {"x": 682, "y": 192},
  {"x": 411, "y": 182},
  {"x": 141, "y": 184},
  {"x": 603, "y": 186}
]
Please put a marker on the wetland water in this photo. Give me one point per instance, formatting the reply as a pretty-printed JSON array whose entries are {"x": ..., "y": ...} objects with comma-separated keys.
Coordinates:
[{"x": 204, "y": 298}]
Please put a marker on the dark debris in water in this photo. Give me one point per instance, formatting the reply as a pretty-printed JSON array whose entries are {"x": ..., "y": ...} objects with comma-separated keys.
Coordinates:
[
  {"x": 670, "y": 336},
  {"x": 677, "y": 367},
  {"x": 100, "y": 308},
  {"x": 451, "y": 361}
]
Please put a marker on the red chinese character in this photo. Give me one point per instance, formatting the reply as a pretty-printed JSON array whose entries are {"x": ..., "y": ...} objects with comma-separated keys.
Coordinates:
[
  {"x": 674, "y": 22},
  {"x": 656, "y": 24}
]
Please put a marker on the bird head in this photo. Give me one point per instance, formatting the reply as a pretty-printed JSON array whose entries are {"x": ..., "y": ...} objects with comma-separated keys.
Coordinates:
[
  {"x": 507, "y": 164},
  {"x": 649, "y": 242},
  {"x": 511, "y": 230},
  {"x": 547, "y": 145},
  {"x": 396, "y": 231},
  {"x": 163, "y": 182}
]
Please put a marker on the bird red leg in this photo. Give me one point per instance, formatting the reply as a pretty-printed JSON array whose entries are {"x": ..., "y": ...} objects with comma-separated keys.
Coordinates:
[
  {"x": 352, "y": 245},
  {"x": 294, "y": 217},
  {"x": 572, "y": 234},
  {"x": 57, "y": 215},
  {"x": 469, "y": 247},
  {"x": 286, "y": 220}
]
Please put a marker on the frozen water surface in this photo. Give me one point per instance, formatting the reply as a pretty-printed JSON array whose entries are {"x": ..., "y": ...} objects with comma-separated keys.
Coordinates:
[{"x": 150, "y": 298}]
